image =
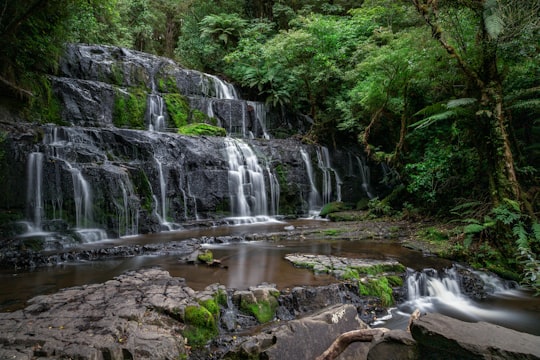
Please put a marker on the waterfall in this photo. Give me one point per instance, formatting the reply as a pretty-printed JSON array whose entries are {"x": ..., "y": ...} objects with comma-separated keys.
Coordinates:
[
  {"x": 156, "y": 113},
  {"x": 442, "y": 291},
  {"x": 246, "y": 181},
  {"x": 323, "y": 161},
  {"x": 259, "y": 115},
  {"x": 34, "y": 199},
  {"x": 82, "y": 198},
  {"x": 314, "y": 196},
  {"x": 366, "y": 177},
  {"x": 128, "y": 217},
  {"x": 163, "y": 204},
  {"x": 212, "y": 86}
]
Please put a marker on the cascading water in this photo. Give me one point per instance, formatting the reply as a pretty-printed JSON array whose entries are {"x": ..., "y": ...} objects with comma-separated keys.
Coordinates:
[
  {"x": 212, "y": 86},
  {"x": 365, "y": 175},
  {"x": 460, "y": 293},
  {"x": 323, "y": 161},
  {"x": 156, "y": 113},
  {"x": 82, "y": 198},
  {"x": 246, "y": 183},
  {"x": 314, "y": 199},
  {"x": 258, "y": 110},
  {"x": 34, "y": 197}
]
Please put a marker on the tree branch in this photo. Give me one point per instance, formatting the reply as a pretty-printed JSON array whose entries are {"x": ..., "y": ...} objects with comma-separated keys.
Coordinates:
[{"x": 345, "y": 339}]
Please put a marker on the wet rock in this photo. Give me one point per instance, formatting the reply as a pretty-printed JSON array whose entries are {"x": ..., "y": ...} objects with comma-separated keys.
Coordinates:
[
  {"x": 121, "y": 318},
  {"x": 393, "y": 345},
  {"x": 304, "y": 338},
  {"x": 442, "y": 337}
]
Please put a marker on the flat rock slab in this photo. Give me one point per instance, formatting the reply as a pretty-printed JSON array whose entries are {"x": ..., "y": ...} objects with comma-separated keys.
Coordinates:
[
  {"x": 443, "y": 337},
  {"x": 337, "y": 266},
  {"x": 124, "y": 318}
]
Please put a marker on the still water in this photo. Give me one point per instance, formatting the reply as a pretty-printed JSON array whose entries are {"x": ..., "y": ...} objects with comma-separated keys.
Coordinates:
[{"x": 250, "y": 263}]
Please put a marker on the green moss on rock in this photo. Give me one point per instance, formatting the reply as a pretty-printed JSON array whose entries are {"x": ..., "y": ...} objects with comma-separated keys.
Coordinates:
[
  {"x": 332, "y": 208},
  {"x": 206, "y": 256},
  {"x": 177, "y": 109},
  {"x": 201, "y": 325},
  {"x": 202, "y": 129},
  {"x": 378, "y": 287},
  {"x": 129, "y": 108}
]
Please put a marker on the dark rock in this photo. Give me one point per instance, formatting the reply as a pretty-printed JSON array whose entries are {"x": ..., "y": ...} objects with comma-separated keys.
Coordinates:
[
  {"x": 305, "y": 338},
  {"x": 442, "y": 337},
  {"x": 393, "y": 345}
]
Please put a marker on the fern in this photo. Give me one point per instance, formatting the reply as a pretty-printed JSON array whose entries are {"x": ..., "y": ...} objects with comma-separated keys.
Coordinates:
[{"x": 460, "y": 102}]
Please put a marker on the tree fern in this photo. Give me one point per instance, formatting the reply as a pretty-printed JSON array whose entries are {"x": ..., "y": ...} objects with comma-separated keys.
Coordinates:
[{"x": 493, "y": 22}]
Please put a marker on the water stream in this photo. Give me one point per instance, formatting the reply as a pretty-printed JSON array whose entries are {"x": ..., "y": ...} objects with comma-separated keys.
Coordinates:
[{"x": 249, "y": 263}]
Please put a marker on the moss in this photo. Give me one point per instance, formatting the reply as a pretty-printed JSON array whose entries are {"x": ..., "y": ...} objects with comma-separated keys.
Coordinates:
[
  {"x": 45, "y": 106},
  {"x": 201, "y": 325},
  {"x": 206, "y": 257},
  {"x": 144, "y": 190},
  {"x": 381, "y": 269},
  {"x": 346, "y": 216},
  {"x": 333, "y": 207},
  {"x": 177, "y": 109},
  {"x": 130, "y": 108},
  {"x": 221, "y": 297},
  {"x": 210, "y": 305},
  {"x": 332, "y": 232},
  {"x": 380, "y": 288},
  {"x": 395, "y": 281},
  {"x": 198, "y": 116},
  {"x": 263, "y": 310},
  {"x": 350, "y": 274},
  {"x": 202, "y": 129}
]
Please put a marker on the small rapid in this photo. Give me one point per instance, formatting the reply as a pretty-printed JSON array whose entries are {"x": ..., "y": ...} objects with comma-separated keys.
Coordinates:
[{"x": 467, "y": 295}]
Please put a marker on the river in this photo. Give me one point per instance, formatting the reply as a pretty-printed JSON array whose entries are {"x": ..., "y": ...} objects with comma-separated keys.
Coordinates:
[{"x": 249, "y": 263}]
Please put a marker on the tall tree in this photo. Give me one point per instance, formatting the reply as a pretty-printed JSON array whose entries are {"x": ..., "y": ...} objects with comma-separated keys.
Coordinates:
[{"x": 479, "y": 61}]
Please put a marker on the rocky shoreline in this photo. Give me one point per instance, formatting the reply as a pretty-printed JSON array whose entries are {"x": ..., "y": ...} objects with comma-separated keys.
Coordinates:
[{"x": 148, "y": 314}]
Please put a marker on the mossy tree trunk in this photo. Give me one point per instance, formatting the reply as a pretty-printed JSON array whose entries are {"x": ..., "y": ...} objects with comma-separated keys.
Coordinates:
[{"x": 490, "y": 128}]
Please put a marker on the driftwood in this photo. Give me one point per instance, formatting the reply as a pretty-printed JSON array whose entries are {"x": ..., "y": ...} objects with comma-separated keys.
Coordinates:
[
  {"x": 345, "y": 339},
  {"x": 364, "y": 335}
]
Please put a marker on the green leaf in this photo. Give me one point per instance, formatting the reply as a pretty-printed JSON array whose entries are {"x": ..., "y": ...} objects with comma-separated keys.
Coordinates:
[
  {"x": 473, "y": 228},
  {"x": 460, "y": 102}
]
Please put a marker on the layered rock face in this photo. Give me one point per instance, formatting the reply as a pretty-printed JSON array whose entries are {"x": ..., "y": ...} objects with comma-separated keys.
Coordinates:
[{"x": 118, "y": 164}]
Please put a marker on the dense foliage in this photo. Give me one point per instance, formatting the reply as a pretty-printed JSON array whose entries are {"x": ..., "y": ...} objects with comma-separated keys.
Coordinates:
[{"x": 445, "y": 92}]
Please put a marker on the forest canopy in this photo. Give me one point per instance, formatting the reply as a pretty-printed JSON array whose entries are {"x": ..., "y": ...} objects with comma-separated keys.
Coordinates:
[{"x": 444, "y": 92}]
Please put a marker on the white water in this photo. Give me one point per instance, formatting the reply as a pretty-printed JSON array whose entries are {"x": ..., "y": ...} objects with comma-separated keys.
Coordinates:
[
  {"x": 34, "y": 199},
  {"x": 246, "y": 183},
  {"x": 323, "y": 161},
  {"x": 314, "y": 199},
  {"x": 366, "y": 176},
  {"x": 431, "y": 291},
  {"x": 82, "y": 197},
  {"x": 212, "y": 86},
  {"x": 156, "y": 113},
  {"x": 259, "y": 115}
]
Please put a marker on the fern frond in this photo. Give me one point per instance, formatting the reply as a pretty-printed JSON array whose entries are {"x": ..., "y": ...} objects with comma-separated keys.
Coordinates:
[
  {"x": 433, "y": 119},
  {"x": 528, "y": 104},
  {"x": 536, "y": 231},
  {"x": 518, "y": 230},
  {"x": 494, "y": 23},
  {"x": 473, "y": 228},
  {"x": 460, "y": 102}
]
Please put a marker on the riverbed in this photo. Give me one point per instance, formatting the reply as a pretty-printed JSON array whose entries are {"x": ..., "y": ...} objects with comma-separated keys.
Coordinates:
[{"x": 246, "y": 261}]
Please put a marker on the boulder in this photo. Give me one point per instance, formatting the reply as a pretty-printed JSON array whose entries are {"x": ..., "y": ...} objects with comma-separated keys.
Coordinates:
[
  {"x": 306, "y": 338},
  {"x": 443, "y": 337},
  {"x": 394, "y": 345}
]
